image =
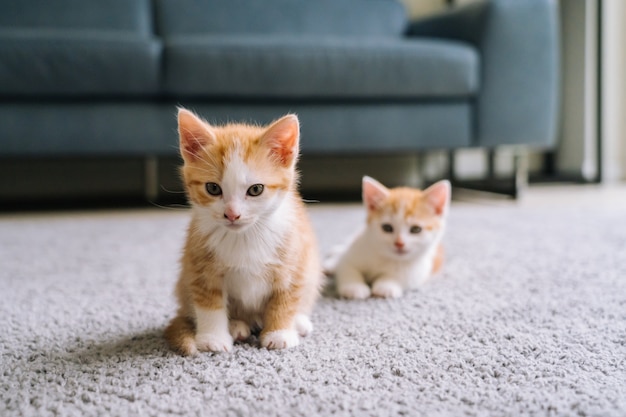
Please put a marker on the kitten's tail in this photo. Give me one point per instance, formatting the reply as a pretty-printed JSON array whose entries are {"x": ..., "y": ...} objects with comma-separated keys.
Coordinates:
[
  {"x": 180, "y": 335},
  {"x": 330, "y": 261},
  {"x": 332, "y": 258}
]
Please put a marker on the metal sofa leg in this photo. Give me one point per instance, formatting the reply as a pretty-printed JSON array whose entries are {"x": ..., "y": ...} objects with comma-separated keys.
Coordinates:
[{"x": 510, "y": 186}]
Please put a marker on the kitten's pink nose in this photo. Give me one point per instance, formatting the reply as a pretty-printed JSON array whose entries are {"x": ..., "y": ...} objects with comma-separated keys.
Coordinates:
[
  {"x": 231, "y": 215},
  {"x": 399, "y": 244}
]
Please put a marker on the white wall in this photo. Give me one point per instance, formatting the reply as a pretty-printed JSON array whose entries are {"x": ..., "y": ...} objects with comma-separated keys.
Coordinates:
[
  {"x": 577, "y": 150},
  {"x": 577, "y": 143},
  {"x": 614, "y": 90}
]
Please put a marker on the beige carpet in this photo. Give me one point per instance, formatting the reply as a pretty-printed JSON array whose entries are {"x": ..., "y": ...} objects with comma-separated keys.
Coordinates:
[{"x": 528, "y": 318}]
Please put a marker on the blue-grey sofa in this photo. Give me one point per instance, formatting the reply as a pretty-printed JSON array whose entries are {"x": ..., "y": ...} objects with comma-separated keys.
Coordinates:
[{"x": 102, "y": 79}]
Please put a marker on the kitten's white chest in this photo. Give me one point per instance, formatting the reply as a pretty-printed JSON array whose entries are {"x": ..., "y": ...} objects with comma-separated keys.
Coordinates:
[
  {"x": 247, "y": 256},
  {"x": 247, "y": 259},
  {"x": 409, "y": 274},
  {"x": 368, "y": 259},
  {"x": 251, "y": 251},
  {"x": 251, "y": 287},
  {"x": 420, "y": 271}
]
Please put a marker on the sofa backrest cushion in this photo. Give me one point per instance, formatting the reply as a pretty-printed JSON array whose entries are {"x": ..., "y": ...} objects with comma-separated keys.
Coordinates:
[
  {"x": 94, "y": 15},
  {"x": 78, "y": 48},
  {"x": 297, "y": 68},
  {"x": 302, "y": 17}
]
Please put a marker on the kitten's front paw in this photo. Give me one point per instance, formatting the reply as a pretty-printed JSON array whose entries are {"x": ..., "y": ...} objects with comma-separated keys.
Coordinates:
[
  {"x": 303, "y": 325},
  {"x": 239, "y": 330},
  {"x": 280, "y": 339},
  {"x": 386, "y": 289},
  {"x": 212, "y": 342},
  {"x": 354, "y": 291}
]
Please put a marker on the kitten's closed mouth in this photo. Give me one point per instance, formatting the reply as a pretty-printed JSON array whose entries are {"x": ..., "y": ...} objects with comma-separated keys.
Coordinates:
[{"x": 235, "y": 226}]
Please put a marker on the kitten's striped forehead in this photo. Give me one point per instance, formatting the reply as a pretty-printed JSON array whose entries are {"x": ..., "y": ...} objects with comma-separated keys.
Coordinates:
[
  {"x": 237, "y": 159},
  {"x": 237, "y": 171},
  {"x": 410, "y": 202},
  {"x": 406, "y": 205}
]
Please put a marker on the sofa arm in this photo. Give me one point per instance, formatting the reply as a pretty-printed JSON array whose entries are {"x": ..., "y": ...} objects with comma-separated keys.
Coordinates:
[{"x": 518, "y": 41}]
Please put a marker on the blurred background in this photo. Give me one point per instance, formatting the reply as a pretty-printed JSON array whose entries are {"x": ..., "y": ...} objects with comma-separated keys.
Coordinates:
[{"x": 497, "y": 95}]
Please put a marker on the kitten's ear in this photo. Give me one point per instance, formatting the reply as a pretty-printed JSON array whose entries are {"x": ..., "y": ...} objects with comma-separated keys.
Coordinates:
[
  {"x": 194, "y": 134},
  {"x": 283, "y": 137},
  {"x": 438, "y": 195},
  {"x": 373, "y": 193}
]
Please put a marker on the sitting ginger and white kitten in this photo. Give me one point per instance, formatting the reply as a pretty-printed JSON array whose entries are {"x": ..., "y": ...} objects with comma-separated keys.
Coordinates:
[
  {"x": 400, "y": 247},
  {"x": 250, "y": 260}
]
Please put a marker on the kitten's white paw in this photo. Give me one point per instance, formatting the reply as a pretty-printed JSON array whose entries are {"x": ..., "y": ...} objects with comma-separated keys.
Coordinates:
[
  {"x": 386, "y": 289},
  {"x": 239, "y": 330},
  {"x": 212, "y": 342},
  {"x": 280, "y": 339},
  {"x": 354, "y": 291},
  {"x": 303, "y": 325}
]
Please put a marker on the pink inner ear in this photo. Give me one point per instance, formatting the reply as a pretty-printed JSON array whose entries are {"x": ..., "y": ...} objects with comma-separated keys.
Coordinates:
[
  {"x": 194, "y": 134},
  {"x": 373, "y": 193},
  {"x": 282, "y": 137},
  {"x": 438, "y": 196},
  {"x": 192, "y": 146}
]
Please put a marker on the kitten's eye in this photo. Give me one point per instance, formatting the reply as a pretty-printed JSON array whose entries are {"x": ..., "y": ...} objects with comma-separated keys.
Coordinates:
[
  {"x": 387, "y": 228},
  {"x": 255, "y": 190},
  {"x": 415, "y": 229},
  {"x": 213, "y": 189}
]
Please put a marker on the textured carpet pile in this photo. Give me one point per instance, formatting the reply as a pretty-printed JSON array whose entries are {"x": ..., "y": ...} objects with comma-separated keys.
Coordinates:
[{"x": 528, "y": 317}]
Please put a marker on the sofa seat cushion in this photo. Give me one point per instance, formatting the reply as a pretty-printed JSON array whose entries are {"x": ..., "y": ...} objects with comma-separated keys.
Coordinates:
[
  {"x": 70, "y": 63},
  {"x": 319, "y": 67}
]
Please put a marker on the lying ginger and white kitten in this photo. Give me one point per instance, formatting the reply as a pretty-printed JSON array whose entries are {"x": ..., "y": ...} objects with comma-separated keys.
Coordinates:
[
  {"x": 250, "y": 260},
  {"x": 400, "y": 247}
]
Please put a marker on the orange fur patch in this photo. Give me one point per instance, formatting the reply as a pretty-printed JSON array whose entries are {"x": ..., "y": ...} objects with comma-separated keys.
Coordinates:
[
  {"x": 410, "y": 201},
  {"x": 439, "y": 257},
  {"x": 209, "y": 164}
]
